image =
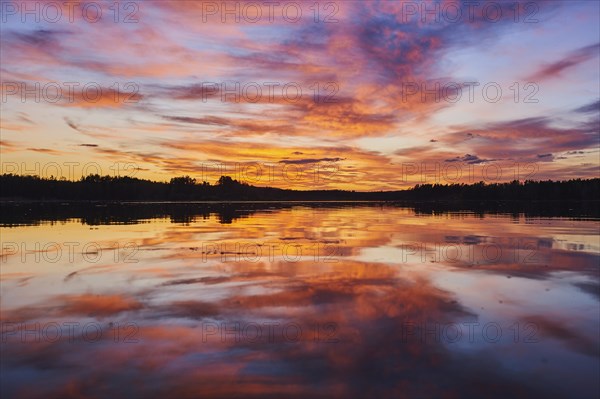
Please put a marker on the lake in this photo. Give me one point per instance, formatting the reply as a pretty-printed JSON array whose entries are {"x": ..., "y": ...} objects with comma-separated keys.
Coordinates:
[{"x": 297, "y": 300}]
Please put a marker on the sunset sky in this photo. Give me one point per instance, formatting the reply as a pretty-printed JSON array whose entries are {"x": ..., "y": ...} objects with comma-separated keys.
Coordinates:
[{"x": 341, "y": 101}]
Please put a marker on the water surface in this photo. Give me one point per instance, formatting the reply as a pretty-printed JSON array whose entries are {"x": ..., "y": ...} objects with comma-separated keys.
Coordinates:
[{"x": 336, "y": 300}]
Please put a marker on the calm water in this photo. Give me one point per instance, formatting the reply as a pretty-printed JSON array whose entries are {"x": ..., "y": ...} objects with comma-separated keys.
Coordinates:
[{"x": 299, "y": 301}]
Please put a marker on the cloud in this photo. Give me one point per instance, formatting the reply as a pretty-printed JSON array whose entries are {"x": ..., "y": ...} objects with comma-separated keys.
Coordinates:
[
  {"x": 574, "y": 58},
  {"x": 236, "y": 126},
  {"x": 47, "y": 40},
  {"x": 521, "y": 139},
  {"x": 210, "y": 120},
  {"x": 72, "y": 124},
  {"x": 85, "y": 305},
  {"x": 103, "y": 97},
  {"x": 310, "y": 160},
  {"x": 97, "y": 305},
  {"x": 48, "y": 151},
  {"x": 589, "y": 108},
  {"x": 468, "y": 158},
  {"x": 6, "y": 144},
  {"x": 24, "y": 117}
]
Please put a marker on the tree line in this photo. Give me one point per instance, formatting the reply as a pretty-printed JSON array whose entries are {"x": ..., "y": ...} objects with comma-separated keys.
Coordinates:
[{"x": 185, "y": 188}]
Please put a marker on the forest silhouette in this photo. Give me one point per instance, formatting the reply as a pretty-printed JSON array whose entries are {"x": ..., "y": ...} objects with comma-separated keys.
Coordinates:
[
  {"x": 109, "y": 188},
  {"x": 106, "y": 200}
]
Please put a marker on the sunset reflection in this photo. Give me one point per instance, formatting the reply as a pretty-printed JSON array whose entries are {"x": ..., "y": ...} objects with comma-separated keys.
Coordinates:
[{"x": 303, "y": 301}]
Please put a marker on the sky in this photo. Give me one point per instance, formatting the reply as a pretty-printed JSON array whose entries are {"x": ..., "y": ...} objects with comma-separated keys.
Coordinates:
[{"x": 359, "y": 95}]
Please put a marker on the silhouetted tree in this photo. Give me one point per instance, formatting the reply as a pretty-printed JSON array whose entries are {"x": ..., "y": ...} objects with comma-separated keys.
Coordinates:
[{"x": 185, "y": 188}]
